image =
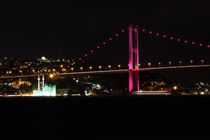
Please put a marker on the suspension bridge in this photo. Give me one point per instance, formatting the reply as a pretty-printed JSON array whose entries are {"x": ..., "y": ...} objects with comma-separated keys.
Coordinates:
[{"x": 133, "y": 60}]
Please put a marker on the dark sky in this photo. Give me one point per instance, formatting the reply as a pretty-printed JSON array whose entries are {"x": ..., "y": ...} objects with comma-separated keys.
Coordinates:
[{"x": 68, "y": 29}]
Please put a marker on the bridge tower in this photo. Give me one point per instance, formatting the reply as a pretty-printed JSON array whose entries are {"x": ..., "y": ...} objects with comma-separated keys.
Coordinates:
[{"x": 133, "y": 63}]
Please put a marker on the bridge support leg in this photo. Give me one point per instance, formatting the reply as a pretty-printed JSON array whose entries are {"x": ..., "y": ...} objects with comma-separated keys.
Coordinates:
[{"x": 133, "y": 76}]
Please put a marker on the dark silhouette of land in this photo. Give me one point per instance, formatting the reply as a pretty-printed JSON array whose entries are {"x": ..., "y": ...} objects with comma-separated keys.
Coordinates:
[{"x": 128, "y": 117}]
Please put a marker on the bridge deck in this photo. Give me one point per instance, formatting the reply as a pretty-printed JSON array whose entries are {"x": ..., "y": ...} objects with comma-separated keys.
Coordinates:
[{"x": 112, "y": 71}]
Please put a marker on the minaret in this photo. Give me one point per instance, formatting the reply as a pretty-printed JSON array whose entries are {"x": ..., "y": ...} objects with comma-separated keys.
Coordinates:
[
  {"x": 42, "y": 81},
  {"x": 38, "y": 82}
]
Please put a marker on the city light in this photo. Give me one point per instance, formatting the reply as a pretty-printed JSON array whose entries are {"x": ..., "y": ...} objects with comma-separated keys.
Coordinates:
[
  {"x": 97, "y": 86},
  {"x": 63, "y": 70},
  {"x": 159, "y": 63},
  {"x": 175, "y": 87},
  {"x": 191, "y": 62},
  {"x": 81, "y": 68},
  {"x": 149, "y": 64},
  {"x": 43, "y": 58},
  {"x": 202, "y": 61},
  {"x": 90, "y": 67},
  {"x": 202, "y": 93},
  {"x": 51, "y": 75}
]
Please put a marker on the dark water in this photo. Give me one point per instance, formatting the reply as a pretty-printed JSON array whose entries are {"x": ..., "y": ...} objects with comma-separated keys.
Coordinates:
[{"x": 171, "y": 117}]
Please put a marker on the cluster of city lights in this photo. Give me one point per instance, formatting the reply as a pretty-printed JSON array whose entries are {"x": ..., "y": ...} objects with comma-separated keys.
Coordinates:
[
  {"x": 172, "y": 37},
  {"x": 102, "y": 45},
  {"x": 64, "y": 69}
]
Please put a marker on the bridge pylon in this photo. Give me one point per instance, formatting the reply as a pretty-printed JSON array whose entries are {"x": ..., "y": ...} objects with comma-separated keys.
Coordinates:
[{"x": 133, "y": 63}]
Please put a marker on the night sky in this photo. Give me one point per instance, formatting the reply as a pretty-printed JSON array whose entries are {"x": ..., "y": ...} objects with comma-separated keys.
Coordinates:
[{"x": 68, "y": 29}]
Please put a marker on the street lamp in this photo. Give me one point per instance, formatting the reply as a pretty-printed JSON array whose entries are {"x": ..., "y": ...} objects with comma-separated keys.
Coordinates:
[
  {"x": 169, "y": 63},
  {"x": 100, "y": 67},
  {"x": 119, "y": 66},
  {"x": 202, "y": 61},
  {"x": 90, "y": 67},
  {"x": 109, "y": 66},
  {"x": 64, "y": 70},
  {"x": 81, "y": 68},
  {"x": 159, "y": 63},
  {"x": 51, "y": 75},
  {"x": 72, "y": 69},
  {"x": 175, "y": 87},
  {"x": 191, "y": 62},
  {"x": 149, "y": 64}
]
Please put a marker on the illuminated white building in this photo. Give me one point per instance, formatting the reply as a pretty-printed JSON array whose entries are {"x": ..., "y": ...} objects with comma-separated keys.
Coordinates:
[{"x": 45, "y": 91}]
